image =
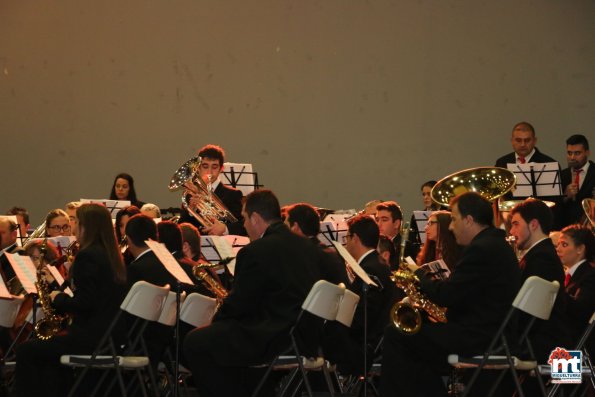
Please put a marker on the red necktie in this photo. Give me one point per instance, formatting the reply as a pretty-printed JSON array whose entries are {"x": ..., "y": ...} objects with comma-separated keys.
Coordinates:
[
  {"x": 521, "y": 160},
  {"x": 567, "y": 280},
  {"x": 577, "y": 177}
]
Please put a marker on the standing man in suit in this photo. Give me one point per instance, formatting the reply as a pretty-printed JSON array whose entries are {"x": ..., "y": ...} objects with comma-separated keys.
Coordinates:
[
  {"x": 478, "y": 295},
  {"x": 273, "y": 276},
  {"x": 531, "y": 223},
  {"x": 211, "y": 166},
  {"x": 578, "y": 181}
]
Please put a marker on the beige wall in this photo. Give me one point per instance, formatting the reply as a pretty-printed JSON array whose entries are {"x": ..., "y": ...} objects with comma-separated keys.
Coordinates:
[{"x": 335, "y": 102}]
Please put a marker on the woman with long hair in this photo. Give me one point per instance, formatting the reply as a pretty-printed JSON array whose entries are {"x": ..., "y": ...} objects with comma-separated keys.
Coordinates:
[
  {"x": 98, "y": 282},
  {"x": 123, "y": 189},
  {"x": 440, "y": 242}
]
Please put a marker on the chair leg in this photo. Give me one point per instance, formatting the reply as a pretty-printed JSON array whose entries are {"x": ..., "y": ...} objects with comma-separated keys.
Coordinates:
[
  {"x": 301, "y": 364},
  {"x": 264, "y": 378},
  {"x": 327, "y": 378}
]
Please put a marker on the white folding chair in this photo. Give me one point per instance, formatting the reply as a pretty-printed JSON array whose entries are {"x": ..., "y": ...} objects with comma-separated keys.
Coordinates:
[
  {"x": 536, "y": 298},
  {"x": 9, "y": 308},
  {"x": 323, "y": 301},
  {"x": 198, "y": 310},
  {"x": 144, "y": 302}
]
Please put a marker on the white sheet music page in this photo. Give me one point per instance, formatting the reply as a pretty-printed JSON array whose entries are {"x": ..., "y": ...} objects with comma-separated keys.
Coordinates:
[
  {"x": 25, "y": 270},
  {"x": 168, "y": 260},
  {"x": 59, "y": 279},
  {"x": 361, "y": 273},
  {"x": 225, "y": 249}
]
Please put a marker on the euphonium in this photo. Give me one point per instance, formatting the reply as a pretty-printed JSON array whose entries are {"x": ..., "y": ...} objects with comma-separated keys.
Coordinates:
[
  {"x": 51, "y": 323},
  {"x": 209, "y": 209},
  {"x": 406, "y": 316},
  {"x": 202, "y": 273}
]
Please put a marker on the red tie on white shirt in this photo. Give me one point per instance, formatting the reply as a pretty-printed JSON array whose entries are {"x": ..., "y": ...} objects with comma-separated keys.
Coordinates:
[
  {"x": 577, "y": 177},
  {"x": 567, "y": 280},
  {"x": 522, "y": 160}
]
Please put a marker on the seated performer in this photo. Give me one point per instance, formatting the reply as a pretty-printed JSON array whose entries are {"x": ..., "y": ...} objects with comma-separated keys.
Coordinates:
[
  {"x": 150, "y": 210},
  {"x": 57, "y": 224},
  {"x": 273, "y": 275},
  {"x": 122, "y": 218},
  {"x": 440, "y": 241},
  {"x": 478, "y": 295},
  {"x": 578, "y": 181},
  {"x": 123, "y": 189},
  {"x": 386, "y": 252},
  {"x": 22, "y": 219},
  {"x": 100, "y": 279},
  {"x": 211, "y": 166},
  {"x": 191, "y": 241},
  {"x": 70, "y": 209},
  {"x": 8, "y": 243}
]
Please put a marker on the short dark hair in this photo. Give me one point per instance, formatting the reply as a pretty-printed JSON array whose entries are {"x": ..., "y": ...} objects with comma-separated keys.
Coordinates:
[
  {"x": 170, "y": 235},
  {"x": 264, "y": 203},
  {"x": 141, "y": 228},
  {"x": 366, "y": 229},
  {"x": 535, "y": 209},
  {"x": 392, "y": 207},
  {"x": 578, "y": 139},
  {"x": 306, "y": 217},
  {"x": 191, "y": 235},
  {"x": 386, "y": 244},
  {"x": 212, "y": 152},
  {"x": 19, "y": 211},
  {"x": 473, "y": 204},
  {"x": 582, "y": 235},
  {"x": 129, "y": 211},
  {"x": 524, "y": 126}
]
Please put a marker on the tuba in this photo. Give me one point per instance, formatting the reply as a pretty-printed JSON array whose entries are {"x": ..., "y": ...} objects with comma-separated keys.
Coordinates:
[
  {"x": 52, "y": 323},
  {"x": 209, "y": 209},
  {"x": 406, "y": 316}
]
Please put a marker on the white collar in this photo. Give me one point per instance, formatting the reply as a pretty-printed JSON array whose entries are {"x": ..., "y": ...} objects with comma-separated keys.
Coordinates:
[
  {"x": 573, "y": 268},
  {"x": 361, "y": 258}
]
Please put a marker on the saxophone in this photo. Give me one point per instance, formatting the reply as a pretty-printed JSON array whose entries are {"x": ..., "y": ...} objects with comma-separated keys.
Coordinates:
[
  {"x": 406, "y": 316},
  {"x": 51, "y": 323},
  {"x": 203, "y": 274}
]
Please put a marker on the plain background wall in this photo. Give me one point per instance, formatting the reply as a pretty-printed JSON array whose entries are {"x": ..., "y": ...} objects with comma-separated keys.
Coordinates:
[{"x": 335, "y": 102}]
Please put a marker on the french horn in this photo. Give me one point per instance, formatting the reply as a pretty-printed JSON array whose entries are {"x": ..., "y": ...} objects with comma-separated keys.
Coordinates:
[{"x": 209, "y": 209}]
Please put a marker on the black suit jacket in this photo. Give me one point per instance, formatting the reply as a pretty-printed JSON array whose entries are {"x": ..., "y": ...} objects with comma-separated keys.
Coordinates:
[
  {"x": 478, "y": 293},
  {"x": 273, "y": 276},
  {"x": 579, "y": 300},
  {"x": 510, "y": 158},
  {"x": 542, "y": 261},
  {"x": 232, "y": 199},
  {"x": 571, "y": 211}
]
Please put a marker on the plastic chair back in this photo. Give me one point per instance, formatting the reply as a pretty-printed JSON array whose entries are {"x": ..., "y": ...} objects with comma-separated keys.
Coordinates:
[
  {"x": 536, "y": 297},
  {"x": 324, "y": 299},
  {"x": 198, "y": 310},
  {"x": 145, "y": 300},
  {"x": 168, "y": 314},
  {"x": 9, "y": 308},
  {"x": 347, "y": 308}
]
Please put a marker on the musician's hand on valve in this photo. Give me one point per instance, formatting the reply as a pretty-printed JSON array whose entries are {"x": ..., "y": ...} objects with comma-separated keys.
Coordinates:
[{"x": 218, "y": 229}]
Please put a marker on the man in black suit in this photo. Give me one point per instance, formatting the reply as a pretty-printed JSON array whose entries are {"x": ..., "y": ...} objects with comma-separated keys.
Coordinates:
[
  {"x": 578, "y": 181},
  {"x": 273, "y": 275},
  {"x": 531, "y": 223},
  {"x": 389, "y": 217},
  {"x": 523, "y": 142},
  {"x": 478, "y": 295},
  {"x": 8, "y": 243},
  {"x": 211, "y": 166}
]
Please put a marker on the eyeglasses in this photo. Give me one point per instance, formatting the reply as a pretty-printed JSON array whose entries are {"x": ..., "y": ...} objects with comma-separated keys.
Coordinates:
[
  {"x": 58, "y": 228},
  {"x": 430, "y": 223},
  {"x": 346, "y": 237}
]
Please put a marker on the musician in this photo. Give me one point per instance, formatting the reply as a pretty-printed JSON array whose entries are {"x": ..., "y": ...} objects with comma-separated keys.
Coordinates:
[
  {"x": 440, "y": 241},
  {"x": 8, "y": 243},
  {"x": 303, "y": 220},
  {"x": 361, "y": 242},
  {"x": 478, "y": 295},
  {"x": 273, "y": 275},
  {"x": 191, "y": 241},
  {"x": 578, "y": 181},
  {"x": 98, "y": 280},
  {"x": 122, "y": 218},
  {"x": 150, "y": 210},
  {"x": 57, "y": 224},
  {"x": 212, "y": 159},
  {"x": 22, "y": 219},
  {"x": 531, "y": 222},
  {"x": 386, "y": 252},
  {"x": 576, "y": 250},
  {"x": 71, "y": 211},
  {"x": 123, "y": 189}
]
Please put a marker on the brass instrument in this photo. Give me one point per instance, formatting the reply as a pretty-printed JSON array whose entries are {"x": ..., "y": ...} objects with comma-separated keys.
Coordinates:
[
  {"x": 589, "y": 209},
  {"x": 406, "y": 315},
  {"x": 202, "y": 273},
  {"x": 51, "y": 323},
  {"x": 210, "y": 209}
]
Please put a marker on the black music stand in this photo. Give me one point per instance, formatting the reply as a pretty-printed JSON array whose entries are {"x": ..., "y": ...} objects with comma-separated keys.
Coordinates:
[
  {"x": 536, "y": 180},
  {"x": 241, "y": 176}
]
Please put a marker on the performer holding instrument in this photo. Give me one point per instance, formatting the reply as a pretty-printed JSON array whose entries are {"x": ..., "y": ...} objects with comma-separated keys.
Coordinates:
[{"x": 98, "y": 280}]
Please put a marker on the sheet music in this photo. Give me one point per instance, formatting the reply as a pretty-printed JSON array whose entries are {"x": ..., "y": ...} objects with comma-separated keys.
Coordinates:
[
  {"x": 216, "y": 248},
  {"x": 25, "y": 270},
  {"x": 546, "y": 178},
  {"x": 353, "y": 264},
  {"x": 439, "y": 268},
  {"x": 421, "y": 220},
  {"x": 114, "y": 206},
  {"x": 59, "y": 279},
  {"x": 239, "y": 175},
  {"x": 168, "y": 260},
  {"x": 333, "y": 228}
]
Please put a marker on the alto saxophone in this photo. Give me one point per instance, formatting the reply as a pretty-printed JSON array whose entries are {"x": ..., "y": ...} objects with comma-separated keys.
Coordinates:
[
  {"x": 406, "y": 316},
  {"x": 52, "y": 323},
  {"x": 213, "y": 285}
]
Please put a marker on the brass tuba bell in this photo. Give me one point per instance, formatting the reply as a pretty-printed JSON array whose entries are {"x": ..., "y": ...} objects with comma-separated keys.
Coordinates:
[{"x": 209, "y": 209}]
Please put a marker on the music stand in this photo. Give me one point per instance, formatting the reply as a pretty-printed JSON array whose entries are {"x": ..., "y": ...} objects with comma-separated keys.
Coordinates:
[
  {"x": 240, "y": 176},
  {"x": 216, "y": 249},
  {"x": 173, "y": 267},
  {"x": 421, "y": 220},
  {"x": 114, "y": 206},
  {"x": 333, "y": 228},
  {"x": 366, "y": 282},
  {"x": 536, "y": 180}
]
